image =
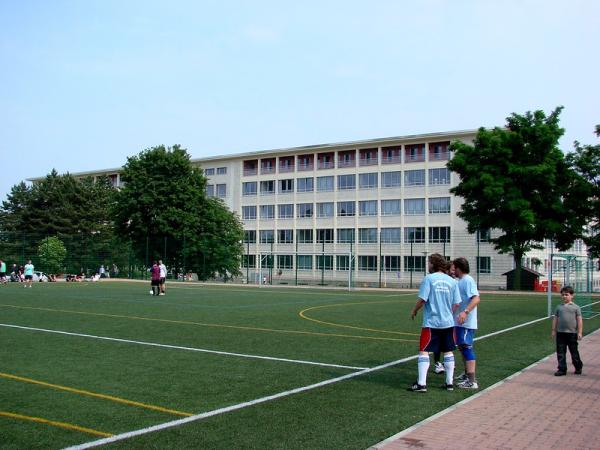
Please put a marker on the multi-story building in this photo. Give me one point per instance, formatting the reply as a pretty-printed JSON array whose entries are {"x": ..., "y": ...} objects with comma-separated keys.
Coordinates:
[{"x": 367, "y": 211}]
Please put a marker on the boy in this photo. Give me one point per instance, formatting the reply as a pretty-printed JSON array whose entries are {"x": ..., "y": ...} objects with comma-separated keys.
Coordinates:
[
  {"x": 439, "y": 294},
  {"x": 28, "y": 271},
  {"x": 163, "y": 276},
  {"x": 567, "y": 327},
  {"x": 155, "y": 279}
]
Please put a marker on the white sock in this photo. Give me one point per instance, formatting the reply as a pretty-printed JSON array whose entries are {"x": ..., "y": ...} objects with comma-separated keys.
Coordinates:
[
  {"x": 449, "y": 367},
  {"x": 423, "y": 366}
]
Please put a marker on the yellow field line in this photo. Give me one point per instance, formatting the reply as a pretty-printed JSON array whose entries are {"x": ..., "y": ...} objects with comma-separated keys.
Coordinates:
[
  {"x": 64, "y": 425},
  {"x": 304, "y": 316},
  {"x": 183, "y": 322},
  {"x": 93, "y": 394}
]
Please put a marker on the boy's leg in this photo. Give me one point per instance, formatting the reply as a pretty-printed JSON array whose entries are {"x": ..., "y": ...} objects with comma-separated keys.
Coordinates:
[
  {"x": 449, "y": 367},
  {"x": 574, "y": 350},
  {"x": 561, "y": 352}
]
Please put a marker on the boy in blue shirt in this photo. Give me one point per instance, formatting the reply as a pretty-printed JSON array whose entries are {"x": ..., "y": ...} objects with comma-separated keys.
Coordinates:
[{"x": 440, "y": 296}]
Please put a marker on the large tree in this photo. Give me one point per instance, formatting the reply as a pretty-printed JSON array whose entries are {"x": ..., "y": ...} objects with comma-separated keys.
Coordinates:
[
  {"x": 515, "y": 179},
  {"x": 163, "y": 209}
]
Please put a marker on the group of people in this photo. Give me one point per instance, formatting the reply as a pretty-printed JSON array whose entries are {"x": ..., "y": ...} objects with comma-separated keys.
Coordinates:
[
  {"x": 449, "y": 298},
  {"x": 158, "y": 278},
  {"x": 22, "y": 274}
]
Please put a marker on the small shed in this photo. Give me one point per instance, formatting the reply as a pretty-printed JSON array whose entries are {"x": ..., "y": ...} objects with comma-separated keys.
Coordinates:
[{"x": 529, "y": 279}]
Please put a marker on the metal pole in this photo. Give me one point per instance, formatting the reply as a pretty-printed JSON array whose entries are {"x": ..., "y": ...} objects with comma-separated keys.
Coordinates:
[
  {"x": 146, "y": 267},
  {"x": 477, "y": 263},
  {"x": 412, "y": 269},
  {"x": 323, "y": 263},
  {"x": 380, "y": 263},
  {"x": 296, "y": 259},
  {"x": 248, "y": 261},
  {"x": 550, "y": 285}
]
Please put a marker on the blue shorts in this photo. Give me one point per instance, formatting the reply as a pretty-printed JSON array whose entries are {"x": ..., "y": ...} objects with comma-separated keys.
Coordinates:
[
  {"x": 464, "y": 336},
  {"x": 437, "y": 340}
]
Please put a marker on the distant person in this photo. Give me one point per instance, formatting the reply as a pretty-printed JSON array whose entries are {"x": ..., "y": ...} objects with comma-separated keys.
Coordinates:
[
  {"x": 567, "y": 328},
  {"x": 163, "y": 277},
  {"x": 466, "y": 322},
  {"x": 115, "y": 270},
  {"x": 28, "y": 272},
  {"x": 14, "y": 274},
  {"x": 440, "y": 297},
  {"x": 102, "y": 271},
  {"x": 2, "y": 272},
  {"x": 155, "y": 279}
]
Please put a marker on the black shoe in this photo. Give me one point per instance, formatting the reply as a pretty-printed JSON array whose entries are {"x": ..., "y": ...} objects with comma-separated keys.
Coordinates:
[
  {"x": 448, "y": 387},
  {"x": 416, "y": 387},
  {"x": 559, "y": 373},
  {"x": 577, "y": 372}
]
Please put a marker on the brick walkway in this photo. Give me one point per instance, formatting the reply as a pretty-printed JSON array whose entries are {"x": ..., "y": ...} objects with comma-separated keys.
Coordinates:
[{"x": 531, "y": 410}]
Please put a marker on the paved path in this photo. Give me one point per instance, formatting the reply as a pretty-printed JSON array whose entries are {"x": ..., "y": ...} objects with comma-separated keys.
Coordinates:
[{"x": 530, "y": 410}]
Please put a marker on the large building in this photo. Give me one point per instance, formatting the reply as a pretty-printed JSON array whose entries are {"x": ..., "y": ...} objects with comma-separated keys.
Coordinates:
[{"x": 366, "y": 211}]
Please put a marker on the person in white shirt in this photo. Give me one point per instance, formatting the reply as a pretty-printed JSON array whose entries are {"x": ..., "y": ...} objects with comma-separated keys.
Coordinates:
[{"x": 163, "y": 277}]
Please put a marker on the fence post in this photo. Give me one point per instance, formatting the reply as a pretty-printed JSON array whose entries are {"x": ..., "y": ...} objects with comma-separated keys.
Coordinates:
[{"x": 380, "y": 263}]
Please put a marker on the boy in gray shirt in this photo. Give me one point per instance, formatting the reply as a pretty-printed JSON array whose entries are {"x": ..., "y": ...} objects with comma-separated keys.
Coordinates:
[{"x": 567, "y": 327}]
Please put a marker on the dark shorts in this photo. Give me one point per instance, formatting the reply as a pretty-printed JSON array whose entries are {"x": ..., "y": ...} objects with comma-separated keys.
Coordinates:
[
  {"x": 162, "y": 280},
  {"x": 29, "y": 277},
  {"x": 154, "y": 282},
  {"x": 437, "y": 340},
  {"x": 2, "y": 274},
  {"x": 464, "y": 337}
]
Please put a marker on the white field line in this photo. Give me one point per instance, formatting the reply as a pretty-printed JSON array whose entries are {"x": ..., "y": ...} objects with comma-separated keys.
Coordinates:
[
  {"x": 177, "y": 347},
  {"x": 215, "y": 412}
]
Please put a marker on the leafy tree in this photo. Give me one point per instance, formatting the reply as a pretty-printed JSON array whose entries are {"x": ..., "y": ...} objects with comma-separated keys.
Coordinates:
[
  {"x": 516, "y": 179},
  {"x": 52, "y": 254},
  {"x": 163, "y": 209},
  {"x": 585, "y": 161}
]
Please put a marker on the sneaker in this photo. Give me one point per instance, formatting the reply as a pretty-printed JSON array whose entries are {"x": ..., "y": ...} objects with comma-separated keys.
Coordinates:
[
  {"x": 162, "y": 293},
  {"x": 577, "y": 372},
  {"x": 461, "y": 378},
  {"x": 448, "y": 387},
  {"x": 439, "y": 368},
  {"x": 468, "y": 385},
  {"x": 416, "y": 387},
  {"x": 559, "y": 373}
]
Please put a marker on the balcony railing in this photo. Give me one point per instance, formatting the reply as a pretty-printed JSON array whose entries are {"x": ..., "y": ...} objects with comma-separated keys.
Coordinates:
[
  {"x": 326, "y": 165},
  {"x": 267, "y": 169},
  {"x": 250, "y": 171},
  {"x": 438, "y": 156},
  {"x": 368, "y": 161},
  {"x": 347, "y": 163},
  {"x": 395, "y": 159},
  {"x": 305, "y": 166},
  {"x": 415, "y": 158},
  {"x": 286, "y": 168}
]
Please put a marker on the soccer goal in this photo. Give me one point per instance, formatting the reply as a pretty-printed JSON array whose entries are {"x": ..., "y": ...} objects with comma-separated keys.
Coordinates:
[{"x": 577, "y": 272}]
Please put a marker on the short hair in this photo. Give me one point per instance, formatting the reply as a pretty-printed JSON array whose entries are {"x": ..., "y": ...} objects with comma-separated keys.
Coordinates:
[
  {"x": 568, "y": 290},
  {"x": 461, "y": 264},
  {"x": 438, "y": 262}
]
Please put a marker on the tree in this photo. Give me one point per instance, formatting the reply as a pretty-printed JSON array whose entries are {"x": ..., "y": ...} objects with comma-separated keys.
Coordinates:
[
  {"x": 163, "y": 209},
  {"x": 515, "y": 179},
  {"x": 585, "y": 161},
  {"x": 52, "y": 254}
]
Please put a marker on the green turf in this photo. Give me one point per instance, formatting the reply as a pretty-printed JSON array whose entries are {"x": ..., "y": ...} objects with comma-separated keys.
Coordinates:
[{"x": 359, "y": 329}]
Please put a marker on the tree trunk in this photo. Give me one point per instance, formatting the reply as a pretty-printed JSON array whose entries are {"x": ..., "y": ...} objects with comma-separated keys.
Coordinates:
[{"x": 518, "y": 256}]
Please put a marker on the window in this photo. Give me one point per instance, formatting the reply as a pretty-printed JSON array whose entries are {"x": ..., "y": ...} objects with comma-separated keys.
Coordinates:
[
  {"x": 249, "y": 261},
  {"x": 284, "y": 261},
  {"x": 267, "y": 211},
  {"x": 346, "y": 209},
  {"x": 414, "y": 178},
  {"x": 367, "y": 180},
  {"x": 391, "y": 264},
  {"x": 221, "y": 170},
  {"x": 325, "y": 209},
  {"x": 325, "y": 235},
  {"x": 346, "y": 182},
  {"x": 249, "y": 188},
  {"x": 209, "y": 172},
  {"x": 439, "y": 234},
  {"x": 345, "y": 235},
  {"x": 285, "y": 211},
  {"x": 305, "y": 184},
  {"x": 286, "y": 186},
  {"x": 267, "y": 187},
  {"x": 267, "y": 236},
  {"x": 221, "y": 190},
  {"x": 285, "y": 236},
  {"x": 305, "y": 262},
  {"x": 390, "y": 207},
  {"x": 414, "y": 263},
  {"x": 304, "y": 209},
  {"x": 368, "y": 263},
  {"x": 485, "y": 235},
  {"x": 210, "y": 190},
  {"x": 367, "y": 208},
  {"x": 367, "y": 235},
  {"x": 391, "y": 179},
  {"x": 250, "y": 236},
  {"x": 439, "y": 176},
  {"x": 414, "y": 234},
  {"x": 414, "y": 206},
  {"x": 484, "y": 264},
  {"x": 324, "y": 184},
  {"x": 249, "y": 212},
  {"x": 266, "y": 261},
  {"x": 439, "y": 205},
  {"x": 324, "y": 262},
  {"x": 390, "y": 235},
  {"x": 304, "y": 236},
  {"x": 342, "y": 262}
]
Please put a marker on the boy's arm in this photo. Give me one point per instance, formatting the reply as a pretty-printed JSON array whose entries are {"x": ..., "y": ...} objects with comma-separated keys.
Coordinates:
[
  {"x": 465, "y": 312},
  {"x": 579, "y": 327},
  {"x": 554, "y": 321},
  {"x": 418, "y": 306}
]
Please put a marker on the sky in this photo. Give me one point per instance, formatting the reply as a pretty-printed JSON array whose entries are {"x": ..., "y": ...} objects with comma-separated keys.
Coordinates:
[{"x": 85, "y": 84}]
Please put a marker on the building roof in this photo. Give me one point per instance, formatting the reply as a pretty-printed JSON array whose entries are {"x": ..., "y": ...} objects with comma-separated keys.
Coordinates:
[{"x": 524, "y": 269}]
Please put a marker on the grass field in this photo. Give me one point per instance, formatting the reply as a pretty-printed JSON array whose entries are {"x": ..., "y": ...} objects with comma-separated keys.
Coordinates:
[{"x": 132, "y": 361}]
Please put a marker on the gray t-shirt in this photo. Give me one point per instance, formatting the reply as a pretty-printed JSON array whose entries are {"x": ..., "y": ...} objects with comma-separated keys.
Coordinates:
[{"x": 567, "y": 317}]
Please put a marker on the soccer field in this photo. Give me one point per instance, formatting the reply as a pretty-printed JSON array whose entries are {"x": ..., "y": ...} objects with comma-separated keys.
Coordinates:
[{"x": 214, "y": 366}]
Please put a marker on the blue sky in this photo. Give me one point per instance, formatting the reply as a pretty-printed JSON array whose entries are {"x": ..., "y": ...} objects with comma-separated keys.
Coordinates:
[{"x": 84, "y": 84}]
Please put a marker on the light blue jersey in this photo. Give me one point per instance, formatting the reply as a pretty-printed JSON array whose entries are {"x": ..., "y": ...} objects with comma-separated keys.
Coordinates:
[
  {"x": 468, "y": 289},
  {"x": 28, "y": 269},
  {"x": 439, "y": 292}
]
